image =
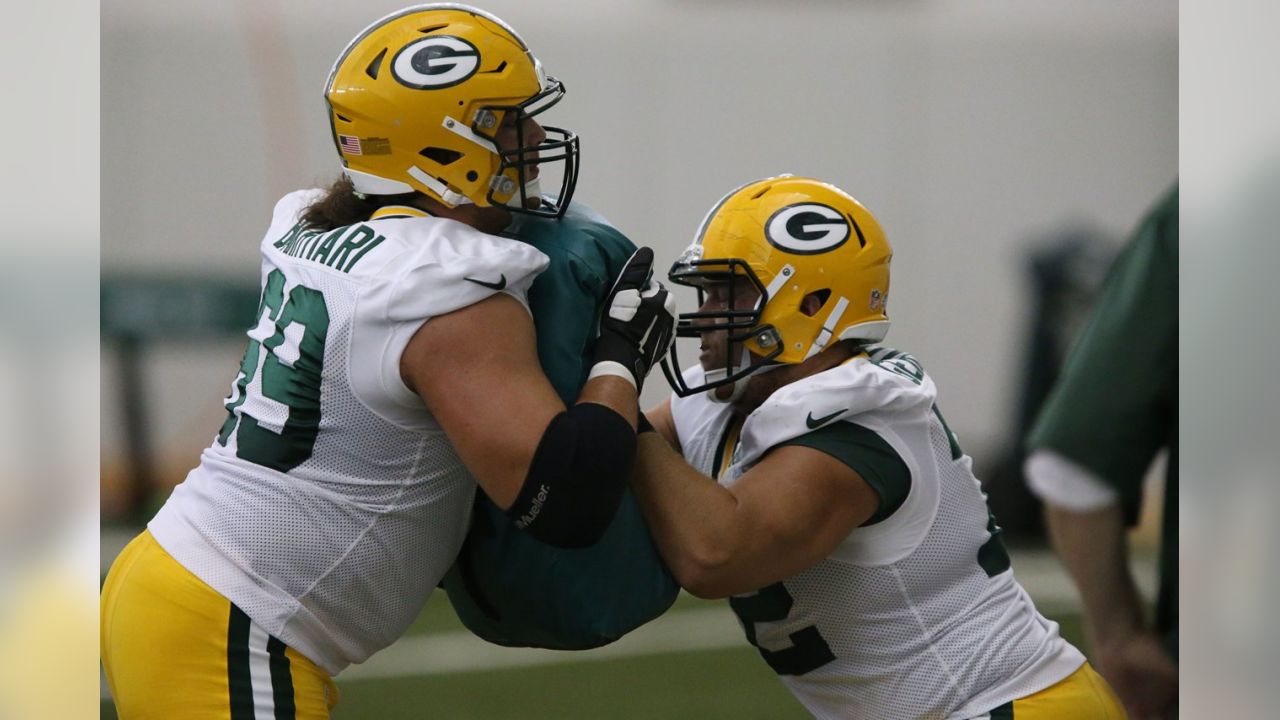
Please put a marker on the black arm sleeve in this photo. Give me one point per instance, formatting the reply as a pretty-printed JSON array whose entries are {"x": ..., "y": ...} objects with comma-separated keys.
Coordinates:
[{"x": 577, "y": 477}]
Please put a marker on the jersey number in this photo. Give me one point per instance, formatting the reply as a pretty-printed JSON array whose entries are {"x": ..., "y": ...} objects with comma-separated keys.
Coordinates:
[
  {"x": 993, "y": 557},
  {"x": 808, "y": 650},
  {"x": 292, "y": 331}
]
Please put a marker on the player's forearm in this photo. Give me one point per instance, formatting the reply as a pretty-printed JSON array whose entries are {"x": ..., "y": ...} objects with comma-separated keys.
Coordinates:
[
  {"x": 690, "y": 515},
  {"x": 1094, "y": 548},
  {"x": 614, "y": 393}
]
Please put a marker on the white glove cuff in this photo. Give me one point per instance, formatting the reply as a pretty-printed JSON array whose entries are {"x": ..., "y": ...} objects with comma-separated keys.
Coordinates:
[{"x": 609, "y": 367}]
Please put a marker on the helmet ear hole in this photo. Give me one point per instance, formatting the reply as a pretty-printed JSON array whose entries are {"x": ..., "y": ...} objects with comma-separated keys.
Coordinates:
[
  {"x": 439, "y": 155},
  {"x": 814, "y": 301},
  {"x": 862, "y": 239},
  {"x": 376, "y": 65}
]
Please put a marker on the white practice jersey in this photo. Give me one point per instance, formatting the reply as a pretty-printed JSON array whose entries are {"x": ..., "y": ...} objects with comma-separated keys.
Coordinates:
[
  {"x": 915, "y": 616},
  {"x": 330, "y": 504}
]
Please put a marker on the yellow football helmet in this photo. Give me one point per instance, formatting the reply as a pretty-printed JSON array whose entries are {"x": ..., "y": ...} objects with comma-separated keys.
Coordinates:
[
  {"x": 788, "y": 238},
  {"x": 415, "y": 102}
]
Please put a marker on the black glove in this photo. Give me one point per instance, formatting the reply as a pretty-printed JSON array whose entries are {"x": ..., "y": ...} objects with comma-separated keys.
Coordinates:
[{"x": 637, "y": 322}]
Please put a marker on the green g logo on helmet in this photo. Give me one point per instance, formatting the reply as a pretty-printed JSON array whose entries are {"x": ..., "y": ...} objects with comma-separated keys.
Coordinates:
[
  {"x": 807, "y": 229},
  {"x": 435, "y": 62}
]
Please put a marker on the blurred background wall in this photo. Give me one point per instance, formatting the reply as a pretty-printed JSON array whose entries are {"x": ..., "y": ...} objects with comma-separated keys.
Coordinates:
[{"x": 973, "y": 129}]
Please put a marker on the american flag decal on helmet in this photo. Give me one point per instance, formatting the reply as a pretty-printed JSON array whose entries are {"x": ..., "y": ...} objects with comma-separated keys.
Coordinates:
[{"x": 350, "y": 144}]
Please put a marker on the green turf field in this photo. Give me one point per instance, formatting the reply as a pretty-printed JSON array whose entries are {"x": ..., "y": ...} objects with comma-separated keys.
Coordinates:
[
  {"x": 701, "y": 684},
  {"x": 725, "y": 681}
]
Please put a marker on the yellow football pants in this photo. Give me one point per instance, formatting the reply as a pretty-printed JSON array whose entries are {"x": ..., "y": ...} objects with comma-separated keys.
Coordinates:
[
  {"x": 1082, "y": 695},
  {"x": 174, "y": 648}
]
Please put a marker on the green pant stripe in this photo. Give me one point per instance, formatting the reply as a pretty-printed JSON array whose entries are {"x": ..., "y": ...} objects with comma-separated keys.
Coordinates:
[
  {"x": 1004, "y": 712},
  {"x": 281, "y": 680},
  {"x": 239, "y": 680}
]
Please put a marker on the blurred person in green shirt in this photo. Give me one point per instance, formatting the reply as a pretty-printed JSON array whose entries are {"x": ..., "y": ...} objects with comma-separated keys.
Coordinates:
[{"x": 1112, "y": 411}]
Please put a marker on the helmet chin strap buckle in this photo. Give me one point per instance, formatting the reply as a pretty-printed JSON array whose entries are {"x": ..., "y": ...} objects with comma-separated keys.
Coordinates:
[{"x": 502, "y": 184}]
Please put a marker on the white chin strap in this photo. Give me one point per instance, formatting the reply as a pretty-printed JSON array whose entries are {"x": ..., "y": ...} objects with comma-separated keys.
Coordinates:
[
  {"x": 532, "y": 189},
  {"x": 740, "y": 385}
]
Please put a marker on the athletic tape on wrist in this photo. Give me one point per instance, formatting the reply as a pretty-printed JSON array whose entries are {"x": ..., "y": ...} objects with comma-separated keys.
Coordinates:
[{"x": 610, "y": 367}]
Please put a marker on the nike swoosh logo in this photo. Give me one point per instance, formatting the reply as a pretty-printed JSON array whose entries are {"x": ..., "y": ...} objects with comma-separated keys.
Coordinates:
[
  {"x": 816, "y": 423},
  {"x": 500, "y": 284}
]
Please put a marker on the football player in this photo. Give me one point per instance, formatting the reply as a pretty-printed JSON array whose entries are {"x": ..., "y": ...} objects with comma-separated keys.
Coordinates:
[
  {"x": 366, "y": 410},
  {"x": 846, "y": 528}
]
